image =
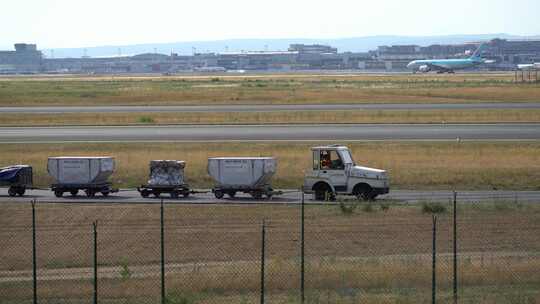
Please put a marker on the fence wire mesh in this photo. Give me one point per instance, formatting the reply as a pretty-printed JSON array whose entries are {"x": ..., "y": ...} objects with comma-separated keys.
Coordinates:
[{"x": 353, "y": 253}]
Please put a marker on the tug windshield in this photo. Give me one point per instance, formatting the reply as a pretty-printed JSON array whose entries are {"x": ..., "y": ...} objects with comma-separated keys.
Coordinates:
[{"x": 346, "y": 156}]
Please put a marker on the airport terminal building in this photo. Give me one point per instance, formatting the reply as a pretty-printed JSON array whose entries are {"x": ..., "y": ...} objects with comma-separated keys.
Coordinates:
[
  {"x": 506, "y": 53},
  {"x": 25, "y": 59}
]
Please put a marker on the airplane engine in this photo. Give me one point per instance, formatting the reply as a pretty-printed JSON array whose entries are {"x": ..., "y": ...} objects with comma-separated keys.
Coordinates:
[{"x": 424, "y": 68}]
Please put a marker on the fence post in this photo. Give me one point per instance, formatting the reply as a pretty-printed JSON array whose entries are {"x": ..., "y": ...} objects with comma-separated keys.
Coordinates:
[
  {"x": 162, "y": 254},
  {"x": 263, "y": 259},
  {"x": 302, "y": 254},
  {"x": 95, "y": 263},
  {"x": 455, "y": 249},
  {"x": 34, "y": 255},
  {"x": 434, "y": 265}
]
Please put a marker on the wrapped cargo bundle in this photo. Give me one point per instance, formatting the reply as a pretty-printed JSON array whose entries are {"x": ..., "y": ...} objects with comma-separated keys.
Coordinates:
[
  {"x": 166, "y": 173},
  {"x": 80, "y": 170}
]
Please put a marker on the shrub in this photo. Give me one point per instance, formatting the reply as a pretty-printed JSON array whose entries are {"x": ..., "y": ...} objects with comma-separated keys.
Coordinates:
[
  {"x": 368, "y": 207},
  {"x": 146, "y": 119},
  {"x": 433, "y": 208},
  {"x": 178, "y": 298},
  {"x": 125, "y": 273},
  {"x": 347, "y": 208}
]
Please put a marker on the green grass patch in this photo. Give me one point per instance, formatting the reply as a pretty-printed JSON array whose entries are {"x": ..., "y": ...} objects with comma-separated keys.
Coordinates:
[{"x": 146, "y": 120}]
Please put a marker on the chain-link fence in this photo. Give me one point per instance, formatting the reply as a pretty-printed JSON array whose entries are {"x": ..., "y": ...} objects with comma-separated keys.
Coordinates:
[{"x": 339, "y": 252}]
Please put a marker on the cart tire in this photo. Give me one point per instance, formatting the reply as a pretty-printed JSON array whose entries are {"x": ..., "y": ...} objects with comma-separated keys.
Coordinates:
[
  {"x": 269, "y": 193},
  {"x": 145, "y": 193},
  {"x": 324, "y": 193},
  {"x": 218, "y": 194},
  {"x": 74, "y": 192},
  {"x": 363, "y": 192},
  {"x": 156, "y": 194},
  {"x": 174, "y": 194},
  {"x": 256, "y": 195},
  {"x": 90, "y": 193},
  {"x": 186, "y": 194},
  {"x": 105, "y": 193},
  {"x": 21, "y": 191},
  {"x": 12, "y": 192},
  {"x": 58, "y": 193},
  {"x": 231, "y": 194}
]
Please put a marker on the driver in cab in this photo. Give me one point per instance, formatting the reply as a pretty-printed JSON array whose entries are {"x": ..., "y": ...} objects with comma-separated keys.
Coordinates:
[{"x": 328, "y": 164}]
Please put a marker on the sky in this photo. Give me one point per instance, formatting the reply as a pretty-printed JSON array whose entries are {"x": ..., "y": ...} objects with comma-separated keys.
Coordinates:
[{"x": 75, "y": 23}]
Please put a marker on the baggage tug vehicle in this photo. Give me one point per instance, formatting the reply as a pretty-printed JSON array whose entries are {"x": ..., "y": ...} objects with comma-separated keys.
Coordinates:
[{"x": 335, "y": 172}]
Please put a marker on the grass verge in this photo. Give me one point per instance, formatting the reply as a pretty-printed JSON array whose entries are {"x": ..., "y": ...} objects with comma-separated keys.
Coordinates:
[
  {"x": 356, "y": 116},
  {"x": 213, "y": 253},
  {"x": 83, "y": 91}
]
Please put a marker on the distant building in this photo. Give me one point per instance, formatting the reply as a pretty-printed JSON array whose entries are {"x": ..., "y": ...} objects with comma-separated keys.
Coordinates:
[
  {"x": 24, "y": 47},
  {"x": 507, "y": 54},
  {"x": 448, "y": 50},
  {"x": 312, "y": 49},
  {"x": 513, "y": 52},
  {"x": 25, "y": 59}
]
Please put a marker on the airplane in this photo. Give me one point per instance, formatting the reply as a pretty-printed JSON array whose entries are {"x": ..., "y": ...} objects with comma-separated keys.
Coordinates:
[
  {"x": 448, "y": 65},
  {"x": 529, "y": 67}
]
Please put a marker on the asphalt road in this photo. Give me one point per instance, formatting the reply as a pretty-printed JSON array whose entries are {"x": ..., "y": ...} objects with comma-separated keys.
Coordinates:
[
  {"x": 289, "y": 197},
  {"x": 224, "y": 133},
  {"x": 269, "y": 108}
]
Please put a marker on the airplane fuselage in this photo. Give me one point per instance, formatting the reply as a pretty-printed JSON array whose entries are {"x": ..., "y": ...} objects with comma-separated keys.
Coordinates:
[{"x": 444, "y": 64}]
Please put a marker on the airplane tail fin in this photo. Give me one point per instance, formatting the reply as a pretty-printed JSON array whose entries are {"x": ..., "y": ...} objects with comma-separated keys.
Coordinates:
[{"x": 479, "y": 50}]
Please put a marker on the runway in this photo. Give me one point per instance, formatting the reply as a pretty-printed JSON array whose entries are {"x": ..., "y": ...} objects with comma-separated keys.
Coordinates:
[
  {"x": 129, "y": 196},
  {"x": 257, "y": 133},
  {"x": 254, "y": 107}
]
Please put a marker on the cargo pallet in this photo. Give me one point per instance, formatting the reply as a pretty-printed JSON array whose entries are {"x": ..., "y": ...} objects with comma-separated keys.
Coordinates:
[
  {"x": 90, "y": 189},
  {"x": 174, "y": 190},
  {"x": 256, "y": 193}
]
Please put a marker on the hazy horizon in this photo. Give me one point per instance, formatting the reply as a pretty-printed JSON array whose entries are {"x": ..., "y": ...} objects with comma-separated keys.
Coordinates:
[
  {"x": 77, "y": 24},
  {"x": 354, "y": 44},
  {"x": 412, "y": 37}
]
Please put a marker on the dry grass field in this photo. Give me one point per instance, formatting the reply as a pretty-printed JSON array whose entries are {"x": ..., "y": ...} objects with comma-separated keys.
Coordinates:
[
  {"x": 366, "y": 116},
  {"x": 414, "y": 165},
  {"x": 266, "y": 89},
  {"x": 213, "y": 253}
]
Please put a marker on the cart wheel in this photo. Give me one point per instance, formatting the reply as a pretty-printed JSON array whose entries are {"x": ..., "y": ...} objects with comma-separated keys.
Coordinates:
[
  {"x": 174, "y": 194},
  {"x": 145, "y": 193},
  {"x": 269, "y": 193},
  {"x": 256, "y": 195},
  {"x": 74, "y": 192},
  {"x": 21, "y": 191},
  {"x": 231, "y": 194},
  {"x": 105, "y": 193},
  {"x": 157, "y": 194},
  {"x": 12, "y": 191},
  {"x": 218, "y": 194},
  {"x": 90, "y": 193},
  {"x": 185, "y": 194},
  {"x": 58, "y": 193}
]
